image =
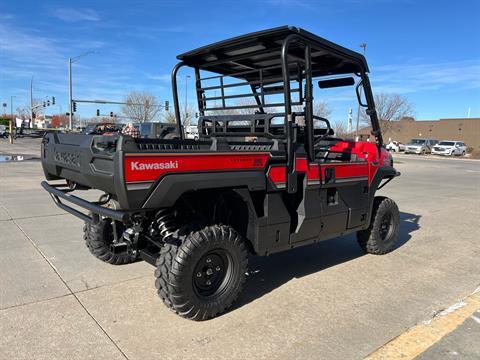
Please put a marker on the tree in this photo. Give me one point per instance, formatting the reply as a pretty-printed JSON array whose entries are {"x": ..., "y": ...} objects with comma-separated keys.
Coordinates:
[
  {"x": 187, "y": 117},
  {"x": 169, "y": 117},
  {"x": 141, "y": 107},
  {"x": 322, "y": 109},
  {"x": 390, "y": 107},
  {"x": 340, "y": 129},
  {"x": 59, "y": 121}
]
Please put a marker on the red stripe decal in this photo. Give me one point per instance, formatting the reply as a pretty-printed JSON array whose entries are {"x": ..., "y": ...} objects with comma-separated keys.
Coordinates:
[
  {"x": 277, "y": 173},
  {"x": 143, "y": 167}
]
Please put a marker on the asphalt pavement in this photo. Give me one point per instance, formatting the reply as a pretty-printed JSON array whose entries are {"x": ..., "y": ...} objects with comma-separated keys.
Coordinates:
[{"x": 325, "y": 301}]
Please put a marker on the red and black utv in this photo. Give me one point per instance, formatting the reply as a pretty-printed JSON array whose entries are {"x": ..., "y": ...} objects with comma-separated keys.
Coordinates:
[{"x": 258, "y": 183}]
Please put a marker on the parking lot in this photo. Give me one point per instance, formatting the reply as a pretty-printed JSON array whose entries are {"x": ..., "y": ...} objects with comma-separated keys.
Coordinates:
[{"x": 325, "y": 301}]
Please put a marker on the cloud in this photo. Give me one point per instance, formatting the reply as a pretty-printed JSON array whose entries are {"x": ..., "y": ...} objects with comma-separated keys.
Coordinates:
[
  {"x": 411, "y": 78},
  {"x": 75, "y": 15}
]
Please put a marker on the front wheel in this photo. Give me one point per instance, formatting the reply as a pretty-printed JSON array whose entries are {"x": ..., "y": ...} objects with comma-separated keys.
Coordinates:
[
  {"x": 203, "y": 276},
  {"x": 382, "y": 234}
]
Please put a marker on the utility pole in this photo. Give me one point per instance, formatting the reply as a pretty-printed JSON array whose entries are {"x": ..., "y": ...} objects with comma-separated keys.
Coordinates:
[
  {"x": 186, "y": 96},
  {"x": 31, "y": 102},
  {"x": 10, "y": 127},
  {"x": 364, "y": 46}
]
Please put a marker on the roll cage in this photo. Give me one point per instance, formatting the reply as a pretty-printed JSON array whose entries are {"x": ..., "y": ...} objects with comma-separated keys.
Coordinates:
[{"x": 267, "y": 62}]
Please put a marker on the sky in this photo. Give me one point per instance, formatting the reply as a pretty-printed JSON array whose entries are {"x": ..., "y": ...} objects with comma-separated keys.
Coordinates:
[{"x": 425, "y": 50}]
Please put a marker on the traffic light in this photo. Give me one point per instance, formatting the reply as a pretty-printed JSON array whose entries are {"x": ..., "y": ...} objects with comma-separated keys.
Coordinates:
[
  {"x": 111, "y": 113},
  {"x": 44, "y": 104},
  {"x": 74, "y": 106},
  {"x": 98, "y": 112},
  {"x": 166, "y": 105},
  {"x": 53, "y": 100},
  {"x": 48, "y": 102}
]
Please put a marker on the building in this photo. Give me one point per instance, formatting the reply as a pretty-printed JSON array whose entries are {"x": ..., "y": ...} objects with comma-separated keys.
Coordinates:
[{"x": 462, "y": 129}]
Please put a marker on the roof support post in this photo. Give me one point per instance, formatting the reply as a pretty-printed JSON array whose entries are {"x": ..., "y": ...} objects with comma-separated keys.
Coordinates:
[
  {"x": 309, "y": 102},
  {"x": 371, "y": 111},
  {"x": 291, "y": 174},
  {"x": 176, "y": 104}
]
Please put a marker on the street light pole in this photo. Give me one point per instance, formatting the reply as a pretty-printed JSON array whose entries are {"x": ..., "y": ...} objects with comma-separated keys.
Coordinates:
[
  {"x": 10, "y": 127},
  {"x": 70, "y": 108},
  {"x": 70, "y": 86},
  {"x": 186, "y": 95},
  {"x": 364, "y": 46}
]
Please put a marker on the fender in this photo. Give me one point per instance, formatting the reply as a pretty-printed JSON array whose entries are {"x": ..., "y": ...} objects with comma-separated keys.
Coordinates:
[
  {"x": 170, "y": 187},
  {"x": 383, "y": 172}
]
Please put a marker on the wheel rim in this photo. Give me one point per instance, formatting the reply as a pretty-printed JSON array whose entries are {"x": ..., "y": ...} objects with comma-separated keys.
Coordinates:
[
  {"x": 212, "y": 273},
  {"x": 386, "y": 226}
]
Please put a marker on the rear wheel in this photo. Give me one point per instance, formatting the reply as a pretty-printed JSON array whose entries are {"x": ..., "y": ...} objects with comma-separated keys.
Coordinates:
[
  {"x": 380, "y": 237},
  {"x": 99, "y": 238},
  {"x": 203, "y": 276}
]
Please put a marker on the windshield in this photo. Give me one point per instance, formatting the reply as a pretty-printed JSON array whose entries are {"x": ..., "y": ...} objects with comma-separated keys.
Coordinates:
[
  {"x": 447, "y": 143},
  {"x": 417, "y": 141},
  {"x": 145, "y": 129}
]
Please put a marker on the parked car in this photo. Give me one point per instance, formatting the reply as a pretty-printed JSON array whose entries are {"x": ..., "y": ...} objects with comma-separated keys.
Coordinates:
[
  {"x": 395, "y": 146},
  {"x": 449, "y": 147},
  {"x": 3, "y": 131},
  {"x": 420, "y": 146}
]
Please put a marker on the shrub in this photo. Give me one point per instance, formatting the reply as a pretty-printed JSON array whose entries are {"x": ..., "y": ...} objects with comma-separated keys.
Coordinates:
[{"x": 475, "y": 154}]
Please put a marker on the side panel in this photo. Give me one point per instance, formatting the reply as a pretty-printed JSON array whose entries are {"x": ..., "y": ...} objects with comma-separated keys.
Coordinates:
[
  {"x": 170, "y": 187},
  {"x": 150, "y": 167}
]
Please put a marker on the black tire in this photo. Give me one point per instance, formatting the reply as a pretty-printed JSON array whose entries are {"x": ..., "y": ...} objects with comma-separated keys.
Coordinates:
[
  {"x": 98, "y": 238},
  {"x": 201, "y": 278},
  {"x": 382, "y": 234}
]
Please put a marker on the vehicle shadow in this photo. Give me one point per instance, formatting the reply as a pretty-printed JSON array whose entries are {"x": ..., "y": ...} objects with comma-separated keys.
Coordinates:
[{"x": 268, "y": 273}]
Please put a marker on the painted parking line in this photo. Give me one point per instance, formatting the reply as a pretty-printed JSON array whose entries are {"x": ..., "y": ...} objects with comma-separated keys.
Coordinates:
[{"x": 421, "y": 337}]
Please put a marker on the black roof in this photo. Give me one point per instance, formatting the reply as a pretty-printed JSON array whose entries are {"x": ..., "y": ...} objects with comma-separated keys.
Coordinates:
[{"x": 262, "y": 49}]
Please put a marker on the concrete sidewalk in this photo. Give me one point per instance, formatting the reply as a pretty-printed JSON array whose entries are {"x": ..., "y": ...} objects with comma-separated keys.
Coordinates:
[{"x": 324, "y": 301}]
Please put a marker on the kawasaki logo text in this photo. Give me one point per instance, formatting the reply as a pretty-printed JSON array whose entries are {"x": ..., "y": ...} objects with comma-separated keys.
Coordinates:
[{"x": 135, "y": 165}]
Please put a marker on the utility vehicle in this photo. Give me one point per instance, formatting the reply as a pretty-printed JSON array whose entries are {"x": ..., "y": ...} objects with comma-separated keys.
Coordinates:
[{"x": 254, "y": 183}]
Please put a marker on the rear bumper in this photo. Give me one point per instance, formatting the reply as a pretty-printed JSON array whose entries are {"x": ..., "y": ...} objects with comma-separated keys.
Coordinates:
[{"x": 64, "y": 200}]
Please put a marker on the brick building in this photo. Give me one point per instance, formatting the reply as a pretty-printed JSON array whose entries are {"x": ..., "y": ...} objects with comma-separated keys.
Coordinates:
[{"x": 462, "y": 129}]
